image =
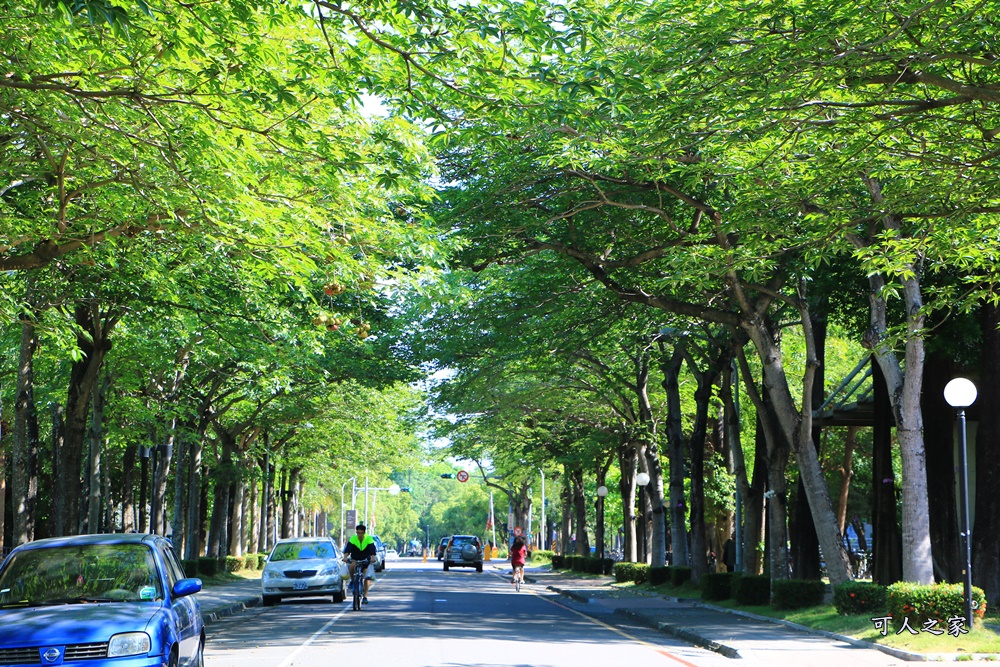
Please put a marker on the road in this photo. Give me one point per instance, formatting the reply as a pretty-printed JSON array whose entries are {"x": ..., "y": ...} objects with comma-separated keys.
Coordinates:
[{"x": 422, "y": 616}]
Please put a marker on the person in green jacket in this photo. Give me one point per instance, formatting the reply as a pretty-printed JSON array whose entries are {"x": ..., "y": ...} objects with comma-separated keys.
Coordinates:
[{"x": 361, "y": 546}]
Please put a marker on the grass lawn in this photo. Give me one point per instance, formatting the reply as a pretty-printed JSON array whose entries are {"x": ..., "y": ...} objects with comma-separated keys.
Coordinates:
[
  {"x": 825, "y": 617},
  {"x": 981, "y": 641}
]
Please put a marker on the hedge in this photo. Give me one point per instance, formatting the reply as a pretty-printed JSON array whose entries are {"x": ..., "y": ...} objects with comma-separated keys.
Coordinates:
[
  {"x": 752, "y": 591},
  {"x": 919, "y": 604},
  {"x": 680, "y": 575},
  {"x": 797, "y": 593},
  {"x": 233, "y": 563},
  {"x": 249, "y": 562},
  {"x": 659, "y": 575},
  {"x": 717, "y": 585},
  {"x": 635, "y": 572},
  {"x": 190, "y": 567},
  {"x": 208, "y": 566},
  {"x": 859, "y": 597}
]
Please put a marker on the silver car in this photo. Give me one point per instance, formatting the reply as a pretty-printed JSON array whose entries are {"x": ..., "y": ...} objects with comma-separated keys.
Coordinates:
[{"x": 303, "y": 567}]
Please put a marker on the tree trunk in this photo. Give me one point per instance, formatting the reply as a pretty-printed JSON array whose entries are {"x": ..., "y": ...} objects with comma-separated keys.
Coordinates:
[
  {"x": 675, "y": 456},
  {"x": 904, "y": 395},
  {"x": 83, "y": 376},
  {"x": 24, "y": 456},
  {"x": 96, "y": 439},
  {"x": 657, "y": 535},
  {"x": 626, "y": 487},
  {"x": 940, "y": 447},
  {"x": 846, "y": 474},
  {"x": 566, "y": 501},
  {"x": 178, "y": 528},
  {"x": 127, "y": 490},
  {"x": 805, "y": 541},
  {"x": 194, "y": 465},
  {"x": 985, "y": 545},
  {"x": 580, "y": 512},
  {"x": 796, "y": 430},
  {"x": 886, "y": 555}
]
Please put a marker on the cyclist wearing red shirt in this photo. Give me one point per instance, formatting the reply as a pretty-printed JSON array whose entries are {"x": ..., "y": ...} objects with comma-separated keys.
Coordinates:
[{"x": 518, "y": 554}]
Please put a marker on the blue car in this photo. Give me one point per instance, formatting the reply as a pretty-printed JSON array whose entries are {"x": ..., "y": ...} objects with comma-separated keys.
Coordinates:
[{"x": 117, "y": 600}]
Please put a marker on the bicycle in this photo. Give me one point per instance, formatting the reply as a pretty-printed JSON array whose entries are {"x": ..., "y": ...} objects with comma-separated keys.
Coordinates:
[
  {"x": 518, "y": 578},
  {"x": 358, "y": 582}
]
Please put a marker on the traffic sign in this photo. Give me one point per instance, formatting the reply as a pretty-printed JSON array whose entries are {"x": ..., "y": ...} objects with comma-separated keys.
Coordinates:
[
  {"x": 462, "y": 476},
  {"x": 518, "y": 531}
]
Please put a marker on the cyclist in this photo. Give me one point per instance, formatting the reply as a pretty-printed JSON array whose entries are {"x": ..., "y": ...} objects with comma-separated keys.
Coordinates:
[
  {"x": 361, "y": 547},
  {"x": 518, "y": 554}
]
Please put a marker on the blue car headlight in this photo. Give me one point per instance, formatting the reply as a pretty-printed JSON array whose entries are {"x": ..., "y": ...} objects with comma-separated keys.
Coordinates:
[
  {"x": 129, "y": 643},
  {"x": 330, "y": 571}
]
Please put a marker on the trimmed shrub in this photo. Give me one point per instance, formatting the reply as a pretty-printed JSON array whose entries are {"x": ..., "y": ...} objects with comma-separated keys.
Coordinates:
[
  {"x": 752, "y": 591},
  {"x": 859, "y": 597},
  {"x": 208, "y": 566},
  {"x": 919, "y": 604},
  {"x": 190, "y": 567},
  {"x": 659, "y": 575},
  {"x": 717, "y": 585},
  {"x": 797, "y": 593},
  {"x": 249, "y": 562},
  {"x": 558, "y": 561},
  {"x": 233, "y": 563},
  {"x": 634, "y": 572},
  {"x": 261, "y": 561},
  {"x": 680, "y": 575}
]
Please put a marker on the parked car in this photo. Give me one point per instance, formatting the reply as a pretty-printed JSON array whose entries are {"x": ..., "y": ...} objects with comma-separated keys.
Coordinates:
[
  {"x": 100, "y": 599},
  {"x": 463, "y": 551},
  {"x": 379, "y": 553},
  {"x": 391, "y": 554},
  {"x": 303, "y": 567},
  {"x": 442, "y": 547}
]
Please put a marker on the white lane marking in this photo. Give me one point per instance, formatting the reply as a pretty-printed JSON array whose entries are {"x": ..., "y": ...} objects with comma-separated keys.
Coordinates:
[{"x": 288, "y": 661}]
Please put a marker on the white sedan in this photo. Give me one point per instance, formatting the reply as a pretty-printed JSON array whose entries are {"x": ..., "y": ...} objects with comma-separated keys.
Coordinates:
[
  {"x": 391, "y": 554},
  {"x": 303, "y": 567}
]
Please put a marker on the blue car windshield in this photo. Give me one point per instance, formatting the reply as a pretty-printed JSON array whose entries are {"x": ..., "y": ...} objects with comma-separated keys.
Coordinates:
[
  {"x": 80, "y": 574},
  {"x": 303, "y": 550}
]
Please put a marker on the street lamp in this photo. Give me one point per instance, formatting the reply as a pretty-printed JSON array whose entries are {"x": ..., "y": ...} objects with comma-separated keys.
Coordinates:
[
  {"x": 602, "y": 491},
  {"x": 642, "y": 479},
  {"x": 960, "y": 393}
]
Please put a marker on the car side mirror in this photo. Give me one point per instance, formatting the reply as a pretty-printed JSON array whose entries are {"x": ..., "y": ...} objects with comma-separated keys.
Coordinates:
[{"x": 188, "y": 586}]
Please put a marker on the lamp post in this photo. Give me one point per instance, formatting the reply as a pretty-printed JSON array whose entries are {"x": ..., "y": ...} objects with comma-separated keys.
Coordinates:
[
  {"x": 602, "y": 491},
  {"x": 642, "y": 479},
  {"x": 960, "y": 393}
]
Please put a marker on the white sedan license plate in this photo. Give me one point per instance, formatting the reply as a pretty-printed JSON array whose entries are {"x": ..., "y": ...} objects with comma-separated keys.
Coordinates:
[{"x": 299, "y": 586}]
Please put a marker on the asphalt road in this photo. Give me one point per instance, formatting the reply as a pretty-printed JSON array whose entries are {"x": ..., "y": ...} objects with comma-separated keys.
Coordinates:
[{"x": 422, "y": 616}]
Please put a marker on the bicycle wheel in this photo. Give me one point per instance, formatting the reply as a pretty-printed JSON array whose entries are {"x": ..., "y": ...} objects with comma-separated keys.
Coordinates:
[{"x": 359, "y": 587}]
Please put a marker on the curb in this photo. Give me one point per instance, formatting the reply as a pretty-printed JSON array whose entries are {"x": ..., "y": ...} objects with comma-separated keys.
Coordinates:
[
  {"x": 231, "y": 609},
  {"x": 690, "y": 637},
  {"x": 860, "y": 643},
  {"x": 729, "y": 651}
]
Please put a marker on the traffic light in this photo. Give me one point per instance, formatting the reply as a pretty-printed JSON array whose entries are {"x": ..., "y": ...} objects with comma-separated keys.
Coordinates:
[{"x": 447, "y": 475}]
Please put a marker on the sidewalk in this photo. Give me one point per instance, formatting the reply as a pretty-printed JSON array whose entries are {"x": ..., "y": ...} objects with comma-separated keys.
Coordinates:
[
  {"x": 219, "y": 600},
  {"x": 732, "y": 633}
]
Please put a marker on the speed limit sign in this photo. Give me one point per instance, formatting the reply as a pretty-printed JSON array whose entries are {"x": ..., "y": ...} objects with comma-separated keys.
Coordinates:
[{"x": 462, "y": 476}]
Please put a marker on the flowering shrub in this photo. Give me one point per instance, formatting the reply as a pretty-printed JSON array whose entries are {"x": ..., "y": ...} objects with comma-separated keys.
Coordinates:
[
  {"x": 859, "y": 597},
  {"x": 939, "y": 602}
]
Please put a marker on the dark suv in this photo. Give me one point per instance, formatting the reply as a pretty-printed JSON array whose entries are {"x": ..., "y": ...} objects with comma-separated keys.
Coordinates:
[
  {"x": 439, "y": 554},
  {"x": 463, "y": 551}
]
